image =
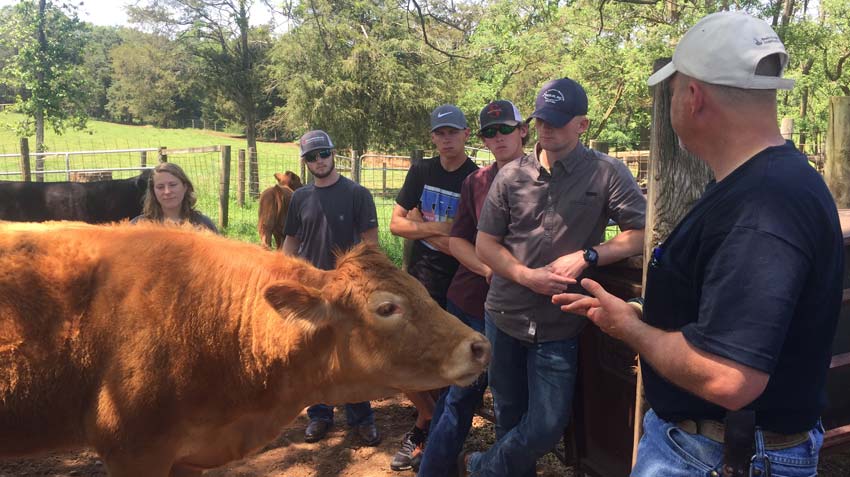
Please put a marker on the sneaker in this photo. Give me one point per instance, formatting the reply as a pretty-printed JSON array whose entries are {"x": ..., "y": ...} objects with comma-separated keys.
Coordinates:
[
  {"x": 316, "y": 430},
  {"x": 410, "y": 454}
]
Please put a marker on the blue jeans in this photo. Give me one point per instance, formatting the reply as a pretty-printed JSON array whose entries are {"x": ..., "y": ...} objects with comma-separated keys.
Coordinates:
[
  {"x": 356, "y": 414},
  {"x": 532, "y": 386},
  {"x": 452, "y": 415},
  {"x": 667, "y": 450}
]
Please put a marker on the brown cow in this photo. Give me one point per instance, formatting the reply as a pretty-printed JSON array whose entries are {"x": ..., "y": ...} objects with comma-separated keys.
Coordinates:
[
  {"x": 171, "y": 350},
  {"x": 274, "y": 205}
]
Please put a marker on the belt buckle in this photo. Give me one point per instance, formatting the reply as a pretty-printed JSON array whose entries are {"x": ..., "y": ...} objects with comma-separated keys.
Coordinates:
[{"x": 765, "y": 460}]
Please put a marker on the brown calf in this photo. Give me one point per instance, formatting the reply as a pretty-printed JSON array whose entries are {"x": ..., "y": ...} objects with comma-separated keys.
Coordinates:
[{"x": 274, "y": 205}]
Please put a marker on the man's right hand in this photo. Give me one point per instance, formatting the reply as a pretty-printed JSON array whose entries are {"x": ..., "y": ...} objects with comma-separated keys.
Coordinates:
[{"x": 543, "y": 281}]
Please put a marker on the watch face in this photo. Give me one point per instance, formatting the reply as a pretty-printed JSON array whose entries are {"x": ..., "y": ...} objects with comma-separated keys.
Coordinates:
[{"x": 590, "y": 256}]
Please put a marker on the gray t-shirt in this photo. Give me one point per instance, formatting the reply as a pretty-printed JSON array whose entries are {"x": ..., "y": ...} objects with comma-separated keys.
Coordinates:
[
  {"x": 542, "y": 216},
  {"x": 326, "y": 219}
]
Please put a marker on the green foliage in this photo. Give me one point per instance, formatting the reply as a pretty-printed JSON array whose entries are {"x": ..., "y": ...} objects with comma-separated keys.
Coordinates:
[
  {"x": 47, "y": 75},
  {"x": 154, "y": 80}
]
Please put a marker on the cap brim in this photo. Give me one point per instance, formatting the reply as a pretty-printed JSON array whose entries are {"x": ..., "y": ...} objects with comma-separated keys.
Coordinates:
[
  {"x": 318, "y": 148},
  {"x": 443, "y": 125},
  {"x": 662, "y": 74},
  {"x": 555, "y": 118},
  {"x": 509, "y": 122}
]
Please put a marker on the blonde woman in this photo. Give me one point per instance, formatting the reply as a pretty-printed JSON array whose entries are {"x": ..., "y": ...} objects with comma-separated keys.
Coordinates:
[{"x": 171, "y": 197}]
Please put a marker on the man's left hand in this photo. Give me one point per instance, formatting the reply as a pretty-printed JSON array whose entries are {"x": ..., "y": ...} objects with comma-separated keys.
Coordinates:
[
  {"x": 569, "y": 266},
  {"x": 611, "y": 314}
]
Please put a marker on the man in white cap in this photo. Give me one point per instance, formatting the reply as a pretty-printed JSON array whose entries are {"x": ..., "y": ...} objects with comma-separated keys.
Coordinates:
[{"x": 742, "y": 298}]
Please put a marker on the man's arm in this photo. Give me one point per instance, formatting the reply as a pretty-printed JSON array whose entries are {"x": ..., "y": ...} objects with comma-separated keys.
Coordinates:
[
  {"x": 621, "y": 246},
  {"x": 402, "y": 226},
  {"x": 716, "y": 379},
  {"x": 291, "y": 244},
  {"x": 464, "y": 251},
  {"x": 369, "y": 236},
  {"x": 493, "y": 254}
]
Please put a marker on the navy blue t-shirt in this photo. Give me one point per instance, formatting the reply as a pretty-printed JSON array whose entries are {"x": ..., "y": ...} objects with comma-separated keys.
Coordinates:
[
  {"x": 753, "y": 273},
  {"x": 436, "y": 192},
  {"x": 329, "y": 219}
]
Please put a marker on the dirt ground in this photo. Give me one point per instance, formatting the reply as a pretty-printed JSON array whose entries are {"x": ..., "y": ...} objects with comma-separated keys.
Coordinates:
[{"x": 340, "y": 454}]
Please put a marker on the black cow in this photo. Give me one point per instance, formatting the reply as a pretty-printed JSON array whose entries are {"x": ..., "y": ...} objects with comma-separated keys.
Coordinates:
[{"x": 93, "y": 202}]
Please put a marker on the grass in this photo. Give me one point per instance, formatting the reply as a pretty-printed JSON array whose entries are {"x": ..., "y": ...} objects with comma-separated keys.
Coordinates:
[{"x": 202, "y": 168}]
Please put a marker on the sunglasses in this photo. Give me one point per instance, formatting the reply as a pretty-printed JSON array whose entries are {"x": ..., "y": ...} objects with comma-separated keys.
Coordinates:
[
  {"x": 314, "y": 156},
  {"x": 490, "y": 132}
]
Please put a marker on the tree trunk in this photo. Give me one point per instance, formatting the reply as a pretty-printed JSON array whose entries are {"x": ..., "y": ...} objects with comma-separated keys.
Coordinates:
[
  {"x": 38, "y": 115},
  {"x": 676, "y": 180},
  {"x": 837, "y": 170}
]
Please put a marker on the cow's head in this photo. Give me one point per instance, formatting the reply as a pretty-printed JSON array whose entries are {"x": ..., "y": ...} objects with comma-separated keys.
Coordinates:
[
  {"x": 288, "y": 179},
  {"x": 384, "y": 331}
]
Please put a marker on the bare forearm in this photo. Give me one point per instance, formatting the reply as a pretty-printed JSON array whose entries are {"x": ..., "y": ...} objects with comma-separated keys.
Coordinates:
[
  {"x": 623, "y": 245},
  {"x": 290, "y": 245},
  {"x": 464, "y": 251},
  {"x": 493, "y": 254},
  {"x": 412, "y": 230},
  {"x": 370, "y": 236}
]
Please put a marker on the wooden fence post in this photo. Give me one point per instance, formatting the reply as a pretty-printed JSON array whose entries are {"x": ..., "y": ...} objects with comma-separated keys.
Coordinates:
[
  {"x": 240, "y": 178},
  {"x": 355, "y": 166},
  {"x": 254, "y": 174},
  {"x": 224, "y": 187},
  {"x": 143, "y": 159},
  {"x": 384, "y": 178},
  {"x": 837, "y": 169},
  {"x": 786, "y": 128},
  {"x": 25, "y": 159},
  {"x": 601, "y": 146},
  {"x": 163, "y": 154}
]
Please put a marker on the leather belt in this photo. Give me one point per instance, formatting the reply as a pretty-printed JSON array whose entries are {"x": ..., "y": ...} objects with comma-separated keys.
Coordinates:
[{"x": 714, "y": 430}]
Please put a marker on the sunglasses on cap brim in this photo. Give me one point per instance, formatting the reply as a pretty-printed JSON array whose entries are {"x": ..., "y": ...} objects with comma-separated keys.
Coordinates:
[
  {"x": 315, "y": 155},
  {"x": 504, "y": 129}
]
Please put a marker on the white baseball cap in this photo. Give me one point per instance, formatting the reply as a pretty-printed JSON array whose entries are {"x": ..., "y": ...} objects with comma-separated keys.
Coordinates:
[{"x": 724, "y": 49}]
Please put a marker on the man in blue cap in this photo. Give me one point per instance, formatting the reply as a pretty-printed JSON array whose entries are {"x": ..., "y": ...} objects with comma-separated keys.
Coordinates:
[{"x": 539, "y": 230}]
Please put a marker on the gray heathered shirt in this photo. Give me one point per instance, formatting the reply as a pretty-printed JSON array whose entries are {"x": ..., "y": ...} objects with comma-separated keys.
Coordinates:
[{"x": 543, "y": 216}]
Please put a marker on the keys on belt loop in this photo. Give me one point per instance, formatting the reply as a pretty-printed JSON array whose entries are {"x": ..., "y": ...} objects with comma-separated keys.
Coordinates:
[{"x": 757, "y": 472}]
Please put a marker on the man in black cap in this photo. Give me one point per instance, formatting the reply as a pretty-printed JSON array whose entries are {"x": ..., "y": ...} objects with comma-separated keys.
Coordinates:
[
  {"x": 540, "y": 229},
  {"x": 425, "y": 208},
  {"x": 333, "y": 213}
]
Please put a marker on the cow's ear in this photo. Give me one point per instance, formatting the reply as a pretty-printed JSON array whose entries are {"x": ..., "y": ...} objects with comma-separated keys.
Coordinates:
[
  {"x": 293, "y": 297},
  {"x": 281, "y": 178}
]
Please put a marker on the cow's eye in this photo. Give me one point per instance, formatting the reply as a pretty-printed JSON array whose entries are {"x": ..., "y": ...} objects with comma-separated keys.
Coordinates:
[{"x": 387, "y": 308}]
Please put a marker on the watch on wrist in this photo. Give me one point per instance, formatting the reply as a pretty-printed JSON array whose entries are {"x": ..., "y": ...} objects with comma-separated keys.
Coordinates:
[{"x": 591, "y": 256}]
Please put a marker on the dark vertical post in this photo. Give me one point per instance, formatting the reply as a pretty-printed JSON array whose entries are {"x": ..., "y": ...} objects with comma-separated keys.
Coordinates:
[
  {"x": 143, "y": 159},
  {"x": 355, "y": 166},
  {"x": 224, "y": 187},
  {"x": 240, "y": 178},
  {"x": 25, "y": 159},
  {"x": 253, "y": 174},
  {"x": 384, "y": 178}
]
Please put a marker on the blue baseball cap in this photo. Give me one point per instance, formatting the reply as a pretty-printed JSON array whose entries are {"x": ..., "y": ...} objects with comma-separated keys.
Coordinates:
[
  {"x": 559, "y": 101},
  {"x": 447, "y": 115}
]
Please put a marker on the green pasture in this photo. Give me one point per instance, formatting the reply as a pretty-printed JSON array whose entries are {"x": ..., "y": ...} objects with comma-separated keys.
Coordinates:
[{"x": 204, "y": 169}]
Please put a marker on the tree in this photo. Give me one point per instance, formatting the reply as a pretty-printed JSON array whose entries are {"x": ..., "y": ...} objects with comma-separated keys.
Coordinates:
[
  {"x": 48, "y": 41},
  {"x": 358, "y": 70},
  {"x": 217, "y": 32},
  {"x": 154, "y": 80},
  {"x": 97, "y": 67}
]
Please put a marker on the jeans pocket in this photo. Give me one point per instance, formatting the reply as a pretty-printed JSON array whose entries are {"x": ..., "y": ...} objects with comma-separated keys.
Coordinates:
[
  {"x": 699, "y": 452},
  {"x": 798, "y": 461}
]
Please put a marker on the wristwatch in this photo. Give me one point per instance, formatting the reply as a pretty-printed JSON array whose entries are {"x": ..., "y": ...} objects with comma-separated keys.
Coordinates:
[{"x": 591, "y": 256}]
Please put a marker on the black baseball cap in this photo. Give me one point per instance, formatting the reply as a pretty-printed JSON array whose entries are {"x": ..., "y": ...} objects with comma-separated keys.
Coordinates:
[
  {"x": 447, "y": 115},
  {"x": 499, "y": 112},
  {"x": 313, "y": 140},
  {"x": 559, "y": 101}
]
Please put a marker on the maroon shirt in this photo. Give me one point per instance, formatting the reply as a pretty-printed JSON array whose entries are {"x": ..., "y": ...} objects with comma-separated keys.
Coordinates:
[{"x": 468, "y": 289}]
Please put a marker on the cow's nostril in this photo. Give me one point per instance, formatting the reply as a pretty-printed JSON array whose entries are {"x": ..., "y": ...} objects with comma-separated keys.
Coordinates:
[{"x": 481, "y": 351}]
